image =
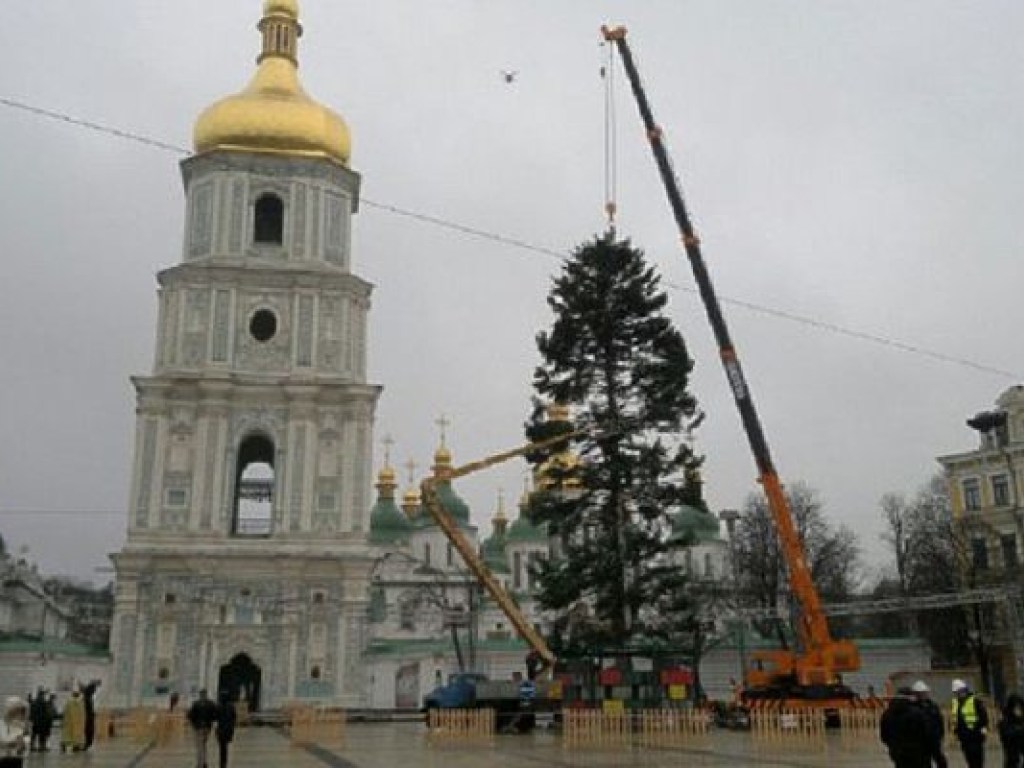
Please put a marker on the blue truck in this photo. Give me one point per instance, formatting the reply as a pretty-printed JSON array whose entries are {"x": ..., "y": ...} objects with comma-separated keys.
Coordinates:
[{"x": 515, "y": 702}]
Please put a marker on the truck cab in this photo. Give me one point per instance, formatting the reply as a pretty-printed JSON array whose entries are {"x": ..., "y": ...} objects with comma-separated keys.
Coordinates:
[{"x": 458, "y": 693}]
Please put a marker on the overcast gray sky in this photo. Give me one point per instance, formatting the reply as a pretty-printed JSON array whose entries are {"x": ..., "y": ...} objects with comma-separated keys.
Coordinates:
[{"x": 854, "y": 163}]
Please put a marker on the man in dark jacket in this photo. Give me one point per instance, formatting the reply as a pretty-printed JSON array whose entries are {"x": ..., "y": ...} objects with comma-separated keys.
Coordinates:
[
  {"x": 970, "y": 723},
  {"x": 225, "y": 726},
  {"x": 936, "y": 726},
  {"x": 1011, "y": 731},
  {"x": 89, "y": 700},
  {"x": 906, "y": 732},
  {"x": 201, "y": 716}
]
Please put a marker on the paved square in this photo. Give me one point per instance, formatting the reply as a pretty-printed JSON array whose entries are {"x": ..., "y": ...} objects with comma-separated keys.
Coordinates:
[{"x": 405, "y": 745}]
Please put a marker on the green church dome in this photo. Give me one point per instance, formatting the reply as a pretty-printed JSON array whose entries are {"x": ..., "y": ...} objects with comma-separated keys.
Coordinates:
[
  {"x": 523, "y": 530},
  {"x": 387, "y": 523},
  {"x": 695, "y": 524}
]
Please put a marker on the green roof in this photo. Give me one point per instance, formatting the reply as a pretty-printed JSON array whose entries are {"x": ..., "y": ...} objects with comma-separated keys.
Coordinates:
[
  {"x": 385, "y": 647},
  {"x": 493, "y": 552},
  {"x": 524, "y": 530},
  {"x": 51, "y": 645},
  {"x": 387, "y": 523},
  {"x": 452, "y": 503},
  {"x": 695, "y": 524}
]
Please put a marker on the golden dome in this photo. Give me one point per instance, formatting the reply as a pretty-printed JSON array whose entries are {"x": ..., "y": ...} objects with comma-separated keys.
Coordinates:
[
  {"x": 286, "y": 7},
  {"x": 411, "y": 498},
  {"x": 274, "y": 114},
  {"x": 387, "y": 477},
  {"x": 558, "y": 412}
]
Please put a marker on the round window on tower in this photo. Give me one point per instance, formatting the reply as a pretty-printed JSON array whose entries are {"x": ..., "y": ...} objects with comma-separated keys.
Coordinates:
[{"x": 263, "y": 325}]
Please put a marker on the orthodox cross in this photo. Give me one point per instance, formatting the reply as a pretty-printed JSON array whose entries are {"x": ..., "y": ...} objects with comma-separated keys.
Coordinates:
[
  {"x": 411, "y": 466},
  {"x": 387, "y": 442},
  {"x": 443, "y": 422}
]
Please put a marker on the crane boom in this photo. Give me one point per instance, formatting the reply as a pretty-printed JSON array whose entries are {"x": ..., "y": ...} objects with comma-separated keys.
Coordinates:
[{"x": 823, "y": 656}]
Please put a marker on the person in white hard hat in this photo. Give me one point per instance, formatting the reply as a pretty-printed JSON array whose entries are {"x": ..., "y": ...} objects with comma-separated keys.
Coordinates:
[
  {"x": 970, "y": 723},
  {"x": 936, "y": 728},
  {"x": 14, "y": 733}
]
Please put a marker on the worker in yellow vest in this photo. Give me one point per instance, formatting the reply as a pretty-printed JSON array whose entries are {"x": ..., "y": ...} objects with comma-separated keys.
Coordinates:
[{"x": 970, "y": 723}]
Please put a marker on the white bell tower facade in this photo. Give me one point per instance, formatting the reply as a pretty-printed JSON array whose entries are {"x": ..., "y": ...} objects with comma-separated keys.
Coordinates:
[{"x": 245, "y": 566}]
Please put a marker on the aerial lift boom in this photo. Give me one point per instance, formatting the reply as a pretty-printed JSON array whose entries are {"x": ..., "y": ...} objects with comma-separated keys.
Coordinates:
[
  {"x": 820, "y": 659},
  {"x": 476, "y": 566}
]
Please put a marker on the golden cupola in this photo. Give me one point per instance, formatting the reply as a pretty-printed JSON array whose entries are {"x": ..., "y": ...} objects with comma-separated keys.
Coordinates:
[{"x": 274, "y": 114}]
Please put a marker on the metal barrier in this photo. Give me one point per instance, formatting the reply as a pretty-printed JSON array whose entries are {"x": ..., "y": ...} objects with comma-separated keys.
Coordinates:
[{"x": 460, "y": 724}]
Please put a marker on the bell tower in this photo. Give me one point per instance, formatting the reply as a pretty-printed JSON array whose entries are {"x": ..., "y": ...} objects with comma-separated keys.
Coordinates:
[{"x": 248, "y": 507}]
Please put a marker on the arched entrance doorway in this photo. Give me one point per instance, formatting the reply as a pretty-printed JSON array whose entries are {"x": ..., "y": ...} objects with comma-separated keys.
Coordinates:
[{"x": 239, "y": 679}]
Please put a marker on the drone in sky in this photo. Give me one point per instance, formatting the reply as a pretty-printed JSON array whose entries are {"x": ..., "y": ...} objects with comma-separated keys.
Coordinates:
[{"x": 509, "y": 75}]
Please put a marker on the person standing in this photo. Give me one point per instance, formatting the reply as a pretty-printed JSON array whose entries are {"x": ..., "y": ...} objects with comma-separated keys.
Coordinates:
[
  {"x": 89, "y": 702},
  {"x": 72, "y": 726},
  {"x": 201, "y": 716},
  {"x": 14, "y": 738},
  {"x": 970, "y": 723},
  {"x": 905, "y": 731},
  {"x": 226, "y": 717},
  {"x": 1011, "y": 731},
  {"x": 936, "y": 726}
]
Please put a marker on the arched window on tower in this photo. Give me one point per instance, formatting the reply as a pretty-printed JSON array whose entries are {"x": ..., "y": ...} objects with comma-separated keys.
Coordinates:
[
  {"x": 268, "y": 220},
  {"x": 254, "y": 488}
]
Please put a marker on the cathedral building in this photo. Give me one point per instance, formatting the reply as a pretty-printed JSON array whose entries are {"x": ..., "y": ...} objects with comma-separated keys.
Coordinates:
[
  {"x": 256, "y": 562},
  {"x": 246, "y": 562}
]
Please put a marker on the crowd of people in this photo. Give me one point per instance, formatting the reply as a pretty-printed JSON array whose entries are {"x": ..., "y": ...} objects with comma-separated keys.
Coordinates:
[
  {"x": 913, "y": 728},
  {"x": 27, "y": 724}
]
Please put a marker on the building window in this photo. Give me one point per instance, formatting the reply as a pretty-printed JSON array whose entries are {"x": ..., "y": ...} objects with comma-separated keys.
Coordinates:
[
  {"x": 979, "y": 554},
  {"x": 517, "y": 571},
  {"x": 532, "y": 568},
  {"x": 1001, "y": 490},
  {"x": 254, "y": 488},
  {"x": 709, "y": 566},
  {"x": 1008, "y": 543},
  {"x": 176, "y": 497},
  {"x": 268, "y": 221},
  {"x": 451, "y": 556},
  {"x": 314, "y": 673},
  {"x": 407, "y": 614},
  {"x": 972, "y": 494},
  {"x": 426, "y": 553}
]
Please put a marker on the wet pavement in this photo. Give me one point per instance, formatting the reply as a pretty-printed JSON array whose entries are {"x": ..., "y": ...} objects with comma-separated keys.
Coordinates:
[{"x": 406, "y": 745}]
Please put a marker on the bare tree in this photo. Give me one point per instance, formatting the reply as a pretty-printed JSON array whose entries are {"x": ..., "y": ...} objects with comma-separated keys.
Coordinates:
[{"x": 832, "y": 552}]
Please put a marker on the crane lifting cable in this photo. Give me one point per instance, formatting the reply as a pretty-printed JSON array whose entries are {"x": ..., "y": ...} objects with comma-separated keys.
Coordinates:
[{"x": 610, "y": 140}]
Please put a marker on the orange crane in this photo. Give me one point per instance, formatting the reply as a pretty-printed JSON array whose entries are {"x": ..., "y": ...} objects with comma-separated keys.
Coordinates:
[{"x": 813, "y": 673}]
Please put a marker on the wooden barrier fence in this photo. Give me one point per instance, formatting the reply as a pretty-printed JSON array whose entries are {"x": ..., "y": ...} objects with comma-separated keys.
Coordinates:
[
  {"x": 860, "y": 723},
  {"x": 309, "y": 725},
  {"x": 595, "y": 727},
  {"x": 460, "y": 724},
  {"x": 672, "y": 727},
  {"x": 788, "y": 725}
]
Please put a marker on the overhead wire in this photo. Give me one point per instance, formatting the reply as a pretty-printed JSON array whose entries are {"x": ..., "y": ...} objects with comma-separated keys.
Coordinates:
[{"x": 527, "y": 246}]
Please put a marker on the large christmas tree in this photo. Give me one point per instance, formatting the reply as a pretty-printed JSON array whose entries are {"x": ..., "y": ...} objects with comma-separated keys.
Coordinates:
[{"x": 615, "y": 358}]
